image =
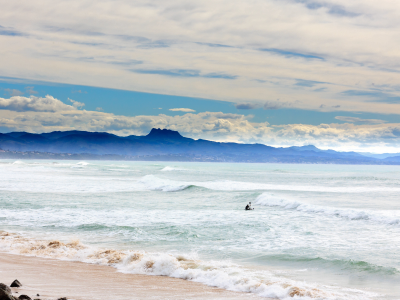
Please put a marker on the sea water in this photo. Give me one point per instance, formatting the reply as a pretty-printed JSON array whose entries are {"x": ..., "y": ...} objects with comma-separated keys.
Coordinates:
[{"x": 316, "y": 231}]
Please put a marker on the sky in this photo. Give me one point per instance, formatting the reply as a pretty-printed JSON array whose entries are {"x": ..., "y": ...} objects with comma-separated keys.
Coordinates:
[{"x": 281, "y": 73}]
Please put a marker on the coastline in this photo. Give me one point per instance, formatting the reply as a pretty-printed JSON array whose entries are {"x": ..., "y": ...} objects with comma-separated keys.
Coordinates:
[
  {"x": 186, "y": 221},
  {"x": 53, "y": 279}
]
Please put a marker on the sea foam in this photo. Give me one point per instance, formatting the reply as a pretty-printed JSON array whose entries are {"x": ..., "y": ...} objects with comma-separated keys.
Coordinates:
[
  {"x": 154, "y": 183},
  {"x": 390, "y": 218},
  {"x": 168, "y": 168},
  {"x": 213, "y": 273}
]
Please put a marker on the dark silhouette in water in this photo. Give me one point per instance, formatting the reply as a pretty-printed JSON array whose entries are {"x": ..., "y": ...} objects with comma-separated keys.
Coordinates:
[{"x": 248, "y": 206}]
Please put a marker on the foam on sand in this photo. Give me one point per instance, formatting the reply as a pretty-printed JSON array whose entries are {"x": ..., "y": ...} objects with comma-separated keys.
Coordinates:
[{"x": 213, "y": 273}]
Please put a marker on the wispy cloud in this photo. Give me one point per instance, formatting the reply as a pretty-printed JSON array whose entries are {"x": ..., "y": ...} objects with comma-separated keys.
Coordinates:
[
  {"x": 307, "y": 83},
  {"x": 330, "y": 8},
  {"x": 184, "y": 73},
  {"x": 373, "y": 95},
  {"x": 247, "y": 105},
  {"x": 14, "y": 92},
  {"x": 76, "y": 104},
  {"x": 182, "y": 109},
  {"x": 30, "y": 90},
  {"x": 359, "y": 120},
  {"x": 10, "y": 31},
  {"x": 276, "y": 105},
  {"x": 290, "y": 54}
]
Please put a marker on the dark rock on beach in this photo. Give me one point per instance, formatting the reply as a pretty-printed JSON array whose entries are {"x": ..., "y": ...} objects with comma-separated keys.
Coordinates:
[
  {"x": 4, "y": 295},
  {"x": 16, "y": 283},
  {"x": 63, "y": 298},
  {"x": 24, "y": 297},
  {"x": 5, "y": 287}
]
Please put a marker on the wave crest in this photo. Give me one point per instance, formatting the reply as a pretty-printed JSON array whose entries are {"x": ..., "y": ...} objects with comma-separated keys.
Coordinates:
[
  {"x": 168, "y": 168},
  {"x": 154, "y": 183},
  {"x": 267, "y": 199}
]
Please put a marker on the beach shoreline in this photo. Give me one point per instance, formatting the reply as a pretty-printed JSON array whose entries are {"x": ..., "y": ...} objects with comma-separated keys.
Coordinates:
[{"x": 53, "y": 279}]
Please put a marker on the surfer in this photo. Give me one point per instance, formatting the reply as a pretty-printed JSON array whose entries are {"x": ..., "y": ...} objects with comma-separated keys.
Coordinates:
[{"x": 248, "y": 206}]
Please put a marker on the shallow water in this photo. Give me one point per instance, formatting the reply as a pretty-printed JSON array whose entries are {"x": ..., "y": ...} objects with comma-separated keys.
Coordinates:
[{"x": 326, "y": 231}]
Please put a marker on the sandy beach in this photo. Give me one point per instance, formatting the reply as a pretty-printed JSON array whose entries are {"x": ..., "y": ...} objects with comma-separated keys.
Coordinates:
[{"x": 52, "y": 279}]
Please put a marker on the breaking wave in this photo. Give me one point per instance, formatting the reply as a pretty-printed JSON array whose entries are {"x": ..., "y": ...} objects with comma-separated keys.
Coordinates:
[
  {"x": 342, "y": 264},
  {"x": 80, "y": 164},
  {"x": 383, "y": 217},
  {"x": 188, "y": 267},
  {"x": 168, "y": 168},
  {"x": 154, "y": 183}
]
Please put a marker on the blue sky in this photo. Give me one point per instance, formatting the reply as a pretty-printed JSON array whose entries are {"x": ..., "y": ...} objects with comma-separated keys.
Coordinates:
[
  {"x": 283, "y": 73},
  {"x": 130, "y": 103}
]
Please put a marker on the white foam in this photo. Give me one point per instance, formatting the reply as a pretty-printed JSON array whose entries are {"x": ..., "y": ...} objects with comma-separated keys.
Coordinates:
[
  {"x": 168, "y": 168},
  {"x": 154, "y": 183},
  {"x": 385, "y": 217},
  {"x": 80, "y": 164},
  {"x": 214, "y": 273}
]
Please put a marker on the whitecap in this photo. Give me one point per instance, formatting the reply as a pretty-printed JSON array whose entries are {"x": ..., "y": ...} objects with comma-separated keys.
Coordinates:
[
  {"x": 154, "y": 183},
  {"x": 168, "y": 168},
  {"x": 390, "y": 218}
]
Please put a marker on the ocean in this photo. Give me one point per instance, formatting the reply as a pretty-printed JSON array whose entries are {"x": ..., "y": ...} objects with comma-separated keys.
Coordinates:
[{"x": 316, "y": 231}]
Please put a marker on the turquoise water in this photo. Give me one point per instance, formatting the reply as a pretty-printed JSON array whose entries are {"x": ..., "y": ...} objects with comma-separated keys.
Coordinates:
[{"x": 330, "y": 230}]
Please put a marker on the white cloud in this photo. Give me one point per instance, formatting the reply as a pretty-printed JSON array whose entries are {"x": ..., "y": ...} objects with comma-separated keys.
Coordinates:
[
  {"x": 182, "y": 109},
  {"x": 49, "y": 114},
  {"x": 39, "y": 104},
  {"x": 76, "y": 104}
]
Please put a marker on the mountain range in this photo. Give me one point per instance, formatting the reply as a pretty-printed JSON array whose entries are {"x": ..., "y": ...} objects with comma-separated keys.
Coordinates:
[{"x": 164, "y": 144}]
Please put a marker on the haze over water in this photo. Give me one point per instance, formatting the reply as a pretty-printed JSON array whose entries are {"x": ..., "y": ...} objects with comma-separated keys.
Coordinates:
[{"x": 329, "y": 231}]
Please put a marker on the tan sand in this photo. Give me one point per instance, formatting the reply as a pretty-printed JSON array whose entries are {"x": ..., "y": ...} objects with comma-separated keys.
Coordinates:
[{"x": 75, "y": 280}]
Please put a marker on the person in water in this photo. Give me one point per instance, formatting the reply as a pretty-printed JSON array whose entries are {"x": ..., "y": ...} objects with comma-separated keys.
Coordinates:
[{"x": 248, "y": 206}]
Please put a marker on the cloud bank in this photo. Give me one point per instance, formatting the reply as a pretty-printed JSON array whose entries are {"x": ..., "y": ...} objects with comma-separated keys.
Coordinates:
[
  {"x": 310, "y": 54},
  {"x": 35, "y": 114}
]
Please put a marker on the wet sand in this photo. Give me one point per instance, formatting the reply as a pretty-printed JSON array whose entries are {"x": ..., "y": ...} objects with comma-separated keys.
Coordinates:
[{"x": 53, "y": 279}]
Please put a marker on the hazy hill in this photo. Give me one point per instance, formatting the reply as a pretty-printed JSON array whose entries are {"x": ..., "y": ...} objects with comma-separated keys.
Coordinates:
[{"x": 164, "y": 144}]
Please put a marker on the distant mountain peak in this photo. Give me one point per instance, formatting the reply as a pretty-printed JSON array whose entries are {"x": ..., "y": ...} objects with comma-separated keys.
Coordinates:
[
  {"x": 164, "y": 133},
  {"x": 310, "y": 147},
  {"x": 306, "y": 148}
]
